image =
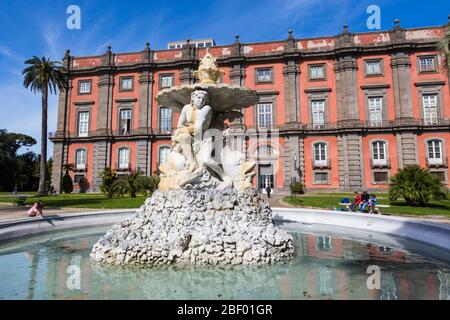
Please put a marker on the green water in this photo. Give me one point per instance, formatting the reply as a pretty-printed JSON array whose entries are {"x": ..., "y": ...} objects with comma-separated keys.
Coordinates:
[{"x": 329, "y": 264}]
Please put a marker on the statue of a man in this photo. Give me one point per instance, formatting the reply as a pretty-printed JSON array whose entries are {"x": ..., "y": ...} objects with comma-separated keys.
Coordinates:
[{"x": 195, "y": 119}]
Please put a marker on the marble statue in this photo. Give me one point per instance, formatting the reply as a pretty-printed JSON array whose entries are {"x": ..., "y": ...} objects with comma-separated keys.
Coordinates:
[{"x": 205, "y": 211}]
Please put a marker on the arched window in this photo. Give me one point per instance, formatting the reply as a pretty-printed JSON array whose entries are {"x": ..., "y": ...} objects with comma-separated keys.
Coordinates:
[
  {"x": 320, "y": 153},
  {"x": 379, "y": 152},
  {"x": 80, "y": 159},
  {"x": 434, "y": 151},
  {"x": 163, "y": 153},
  {"x": 124, "y": 158}
]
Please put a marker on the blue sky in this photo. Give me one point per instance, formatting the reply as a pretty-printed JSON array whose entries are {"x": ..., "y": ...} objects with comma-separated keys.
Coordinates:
[{"x": 39, "y": 28}]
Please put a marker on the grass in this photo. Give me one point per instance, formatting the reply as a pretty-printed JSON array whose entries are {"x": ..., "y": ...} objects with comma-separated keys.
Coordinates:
[
  {"x": 76, "y": 200},
  {"x": 327, "y": 201}
]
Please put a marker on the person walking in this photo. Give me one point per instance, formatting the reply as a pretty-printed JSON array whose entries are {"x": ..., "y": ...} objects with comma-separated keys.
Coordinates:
[{"x": 268, "y": 190}]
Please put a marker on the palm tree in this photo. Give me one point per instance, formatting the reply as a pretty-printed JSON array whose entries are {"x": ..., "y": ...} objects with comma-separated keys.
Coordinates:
[
  {"x": 44, "y": 75},
  {"x": 444, "y": 49},
  {"x": 131, "y": 183},
  {"x": 416, "y": 185}
]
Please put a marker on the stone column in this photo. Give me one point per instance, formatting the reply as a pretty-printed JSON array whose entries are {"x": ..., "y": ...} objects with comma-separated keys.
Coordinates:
[
  {"x": 237, "y": 72},
  {"x": 188, "y": 63},
  {"x": 60, "y": 147},
  {"x": 350, "y": 162},
  {"x": 291, "y": 72}
]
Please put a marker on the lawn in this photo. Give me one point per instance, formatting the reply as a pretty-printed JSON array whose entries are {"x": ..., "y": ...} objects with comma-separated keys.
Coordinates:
[
  {"x": 327, "y": 201},
  {"x": 76, "y": 200}
]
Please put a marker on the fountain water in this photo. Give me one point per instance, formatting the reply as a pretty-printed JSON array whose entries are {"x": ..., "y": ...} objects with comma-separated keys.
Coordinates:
[{"x": 205, "y": 210}]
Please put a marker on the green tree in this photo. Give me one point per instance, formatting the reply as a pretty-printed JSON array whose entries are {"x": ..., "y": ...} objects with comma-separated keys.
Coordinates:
[
  {"x": 296, "y": 188},
  {"x": 12, "y": 164},
  {"x": 131, "y": 183},
  {"x": 67, "y": 182},
  {"x": 108, "y": 177},
  {"x": 44, "y": 76},
  {"x": 416, "y": 185},
  {"x": 149, "y": 184}
]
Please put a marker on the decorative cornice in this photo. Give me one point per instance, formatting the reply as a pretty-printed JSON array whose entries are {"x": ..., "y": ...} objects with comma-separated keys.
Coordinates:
[
  {"x": 318, "y": 90},
  {"x": 130, "y": 99},
  {"x": 375, "y": 86},
  {"x": 429, "y": 83},
  {"x": 267, "y": 92},
  {"x": 84, "y": 102}
]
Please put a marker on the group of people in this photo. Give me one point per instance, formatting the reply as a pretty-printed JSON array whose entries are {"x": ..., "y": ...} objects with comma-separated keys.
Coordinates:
[{"x": 364, "y": 201}]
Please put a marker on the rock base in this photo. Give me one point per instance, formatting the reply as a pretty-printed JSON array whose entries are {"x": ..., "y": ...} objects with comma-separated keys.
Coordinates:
[{"x": 197, "y": 227}]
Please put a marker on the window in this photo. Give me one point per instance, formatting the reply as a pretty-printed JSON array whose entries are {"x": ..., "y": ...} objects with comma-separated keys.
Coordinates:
[
  {"x": 318, "y": 113},
  {"x": 165, "y": 120},
  {"x": 380, "y": 177},
  {"x": 264, "y": 75},
  {"x": 126, "y": 83},
  {"x": 83, "y": 124},
  {"x": 208, "y": 44},
  {"x": 434, "y": 151},
  {"x": 373, "y": 67},
  {"x": 317, "y": 72},
  {"x": 264, "y": 112},
  {"x": 163, "y": 154},
  {"x": 84, "y": 86},
  {"x": 376, "y": 111},
  {"x": 427, "y": 64},
  {"x": 124, "y": 158},
  {"x": 125, "y": 121},
  {"x": 324, "y": 243},
  {"x": 429, "y": 104},
  {"x": 439, "y": 174},
  {"x": 320, "y": 154},
  {"x": 201, "y": 45},
  {"x": 172, "y": 46},
  {"x": 265, "y": 149},
  {"x": 80, "y": 159},
  {"x": 379, "y": 152},
  {"x": 321, "y": 177},
  {"x": 77, "y": 178},
  {"x": 166, "y": 81}
]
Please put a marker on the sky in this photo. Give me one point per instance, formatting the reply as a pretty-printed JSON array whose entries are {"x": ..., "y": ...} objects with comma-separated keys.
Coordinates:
[{"x": 39, "y": 28}]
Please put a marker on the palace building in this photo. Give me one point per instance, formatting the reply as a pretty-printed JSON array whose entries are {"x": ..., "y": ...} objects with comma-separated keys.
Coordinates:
[{"x": 348, "y": 111}]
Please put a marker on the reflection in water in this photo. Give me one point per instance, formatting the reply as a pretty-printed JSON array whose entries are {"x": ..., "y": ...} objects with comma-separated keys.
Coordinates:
[{"x": 325, "y": 267}]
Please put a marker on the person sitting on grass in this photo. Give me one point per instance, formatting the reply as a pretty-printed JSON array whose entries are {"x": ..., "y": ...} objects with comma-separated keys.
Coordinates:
[
  {"x": 36, "y": 209},
  {"x": 372, "y": 204}
]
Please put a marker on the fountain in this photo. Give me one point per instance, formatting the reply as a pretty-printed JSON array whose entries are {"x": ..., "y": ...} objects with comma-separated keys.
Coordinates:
[{"x": 205, "y": 211}]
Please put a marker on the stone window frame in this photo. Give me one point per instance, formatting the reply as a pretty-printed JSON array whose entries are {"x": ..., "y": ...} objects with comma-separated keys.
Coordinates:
[
  {"x": 125, "y": 106},
  {"x": 257, "y": 81},
  {"x": 264, "y": 99},
  {"x": 80, "y": 174},
  {"x": 436, "y": 63},
  {"x": 120, "y": 83},
  {"x": 386, "y": 144},
  {"x": 388, "y": 173},
  {"x": 371, "y": 75},
  {"x": 444, "y": 171},
  {"x": 75, "y": 160},
  {"x": 323, "y": 65},
  {"x": 319, "y": 96},
  {"x": 326, "y": 169},
  {"x": 158, "y": 163},
  {"x": 443, "y": 148},
  {"x": 158, "y": 116},
  {"x": 79, "y": 87},
  {"x": 81, "y": 109},
  {"x": 161, "y": 75},
  {"x": 429, "y": 90},
  {"x": 376, "y": 92},
  {"x": 118, "y": 157}
]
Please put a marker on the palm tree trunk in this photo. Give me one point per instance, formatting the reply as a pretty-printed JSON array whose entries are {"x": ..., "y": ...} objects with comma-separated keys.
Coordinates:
[{"x": 43, "y": 166}]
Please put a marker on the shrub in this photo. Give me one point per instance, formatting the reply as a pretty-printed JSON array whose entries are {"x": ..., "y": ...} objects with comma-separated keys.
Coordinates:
[
  {"x": 296, "y": 188},
  {"x": 83, "y": 184},
  {"x": 109, "y": 177},
  {"x": 67, "y": 184},
  {"x": 416, "y": 185},
  {"x": 149, "y": 184}
]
